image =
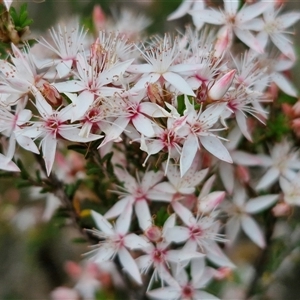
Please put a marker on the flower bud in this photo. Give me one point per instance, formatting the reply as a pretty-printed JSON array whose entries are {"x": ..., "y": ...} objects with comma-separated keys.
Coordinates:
[
  {"x": 153, "y": 233},
  {"x": 223, "y": 42},
  {"x": 98, "y": 17},
  {"x": 221, "y": 86}
]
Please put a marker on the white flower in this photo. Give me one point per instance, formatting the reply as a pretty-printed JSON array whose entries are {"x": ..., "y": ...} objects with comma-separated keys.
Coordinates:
[
  {"x": 160, "y": 58},
  {"x": 238, "y": 22},
  {"x": 180, "y": 287},
  {"x": 282, "y": 162},
  {"x": 115, "y": 241},
  {"x": 135, "y": 193},
  {"x": 53, "y": 126},
  {"x": 291, "y": 189},
  {"x": 276, "y": 27},
  {"x": 240, "y": 215},
  {"x": 66, "y": 43},
  {"x": 200, "y": 132}
]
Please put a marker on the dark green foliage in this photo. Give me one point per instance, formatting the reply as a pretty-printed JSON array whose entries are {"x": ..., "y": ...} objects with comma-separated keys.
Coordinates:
[{"x": 20, "y": 20}]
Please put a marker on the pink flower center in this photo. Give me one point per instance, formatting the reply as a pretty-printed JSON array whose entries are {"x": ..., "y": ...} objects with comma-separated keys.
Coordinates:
[
  {"x": 53, "y": 124},
  {"x": 159, "y": 255},
  {"x": 187, "y": 292},
  {"x": 195, "y": 232}
]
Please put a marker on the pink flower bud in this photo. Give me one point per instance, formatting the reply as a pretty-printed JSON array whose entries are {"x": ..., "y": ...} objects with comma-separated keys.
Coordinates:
[
  {"x": 221, "y": 86},
  {"x": 73, "y": 269},
  {"x": 153, "y": 233},
  {"x": 296, "y": 108},
  {"x": 223, "y": 42},
  {"x": 296, "y": 126},
  {"x": 98, "y": 17},
  {"x": 222, "y": 273},
  {"x": 281, "y": 210}
]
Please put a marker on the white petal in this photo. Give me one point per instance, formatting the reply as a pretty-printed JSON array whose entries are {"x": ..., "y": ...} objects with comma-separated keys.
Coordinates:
[
  {"x": 124, "y": 220},
  {"x": 185, "y": 214},
  {"x": 288, "y": 19},
  {"x": 197, "y": 269},
  {"x": 27, "y": 143},
  {"x": 233, "y": 227},
  {"x": 231, "y": 7},
  {"x": 102, "y": 223},
  {"x": 242, "y": 123},
  {"x": 253, "y": 231},
  {"x": 117, "y": 208},
  {"x": 145, "y": 80},
  {"x": 210, "y": 16},
  {"x": 284, "y": 84},
  {"x": 181, "y": 10},
  {"x": 150, "y": 179},
  {"x": 217, "y": 256},
  {"x": 118, "y": 69},
  {"x": 189, "y": 151},
  {"x": 72, "y": 134},
  {"x": 226, "y": 172},
  {"x": 133, "y": 241},
  {"x": 178, "y": 256},
  {"x": 179, "y": 83},
  {"x": 258, "y": 204},
  {"x": 245, "y": 159},
  {"x": 204, "y": 295},
  {"x": 143, "y": 125},
  {"x": 49, "y": 149},
  {"x": 104, "y": 253},
  {"x": 71, "y": 86},
  {"x": 165, "y": 293},
  {"x": 83, "y": 102},
  {"x": 178, "y": 234},
  {"x": 63, "y": 68},
  {"x": 283, "y": 44},
  {"x": 269, "y": 178},
  {"x": 251, "y": 11},
  {"x": 129, "y": 265},
  {"x": 8, "y": 165},
  {"x": 215, "y": 147},
  {"x": 248, "y": 38},
  {"x": 143, "y": 214}
]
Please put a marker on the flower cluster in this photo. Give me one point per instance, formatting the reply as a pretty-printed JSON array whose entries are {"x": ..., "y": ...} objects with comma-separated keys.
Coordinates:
[{"x": 183, "y": 103}]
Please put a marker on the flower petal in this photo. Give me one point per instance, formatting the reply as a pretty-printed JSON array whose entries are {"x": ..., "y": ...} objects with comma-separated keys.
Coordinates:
[
  {"x": 261, "y": 203},
  {"x": 253, "y": 231}
]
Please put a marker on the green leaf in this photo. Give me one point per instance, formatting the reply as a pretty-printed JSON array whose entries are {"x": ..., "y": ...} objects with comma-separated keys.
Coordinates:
[
  {"x": 180, "y": 104},
  {"x": 79, "y": 240}
]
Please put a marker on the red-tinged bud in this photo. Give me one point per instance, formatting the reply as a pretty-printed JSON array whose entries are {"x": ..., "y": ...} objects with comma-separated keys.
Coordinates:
[
  {"x": 73, "y": 269},
  {"x": 51, "y": 95},
  {"x": 296, "y": 108},
  {"x": 242, "y": 174},
  {"x": 273, "y": 91},
  {"x": 287, "y": 110},
  {"x": 221, "y": 86},
  {"x": 153, "y": 233},
  {"x": 281, "y": 210},
  {"x": 222, "y": 273},
  {"x": 99, "y": 18},
  {"x": 155, "y": 93},
  {"x": 210, "y": 202},
  {"x": 223, "y": 42},
  {"x": 296, "y": 126}
]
